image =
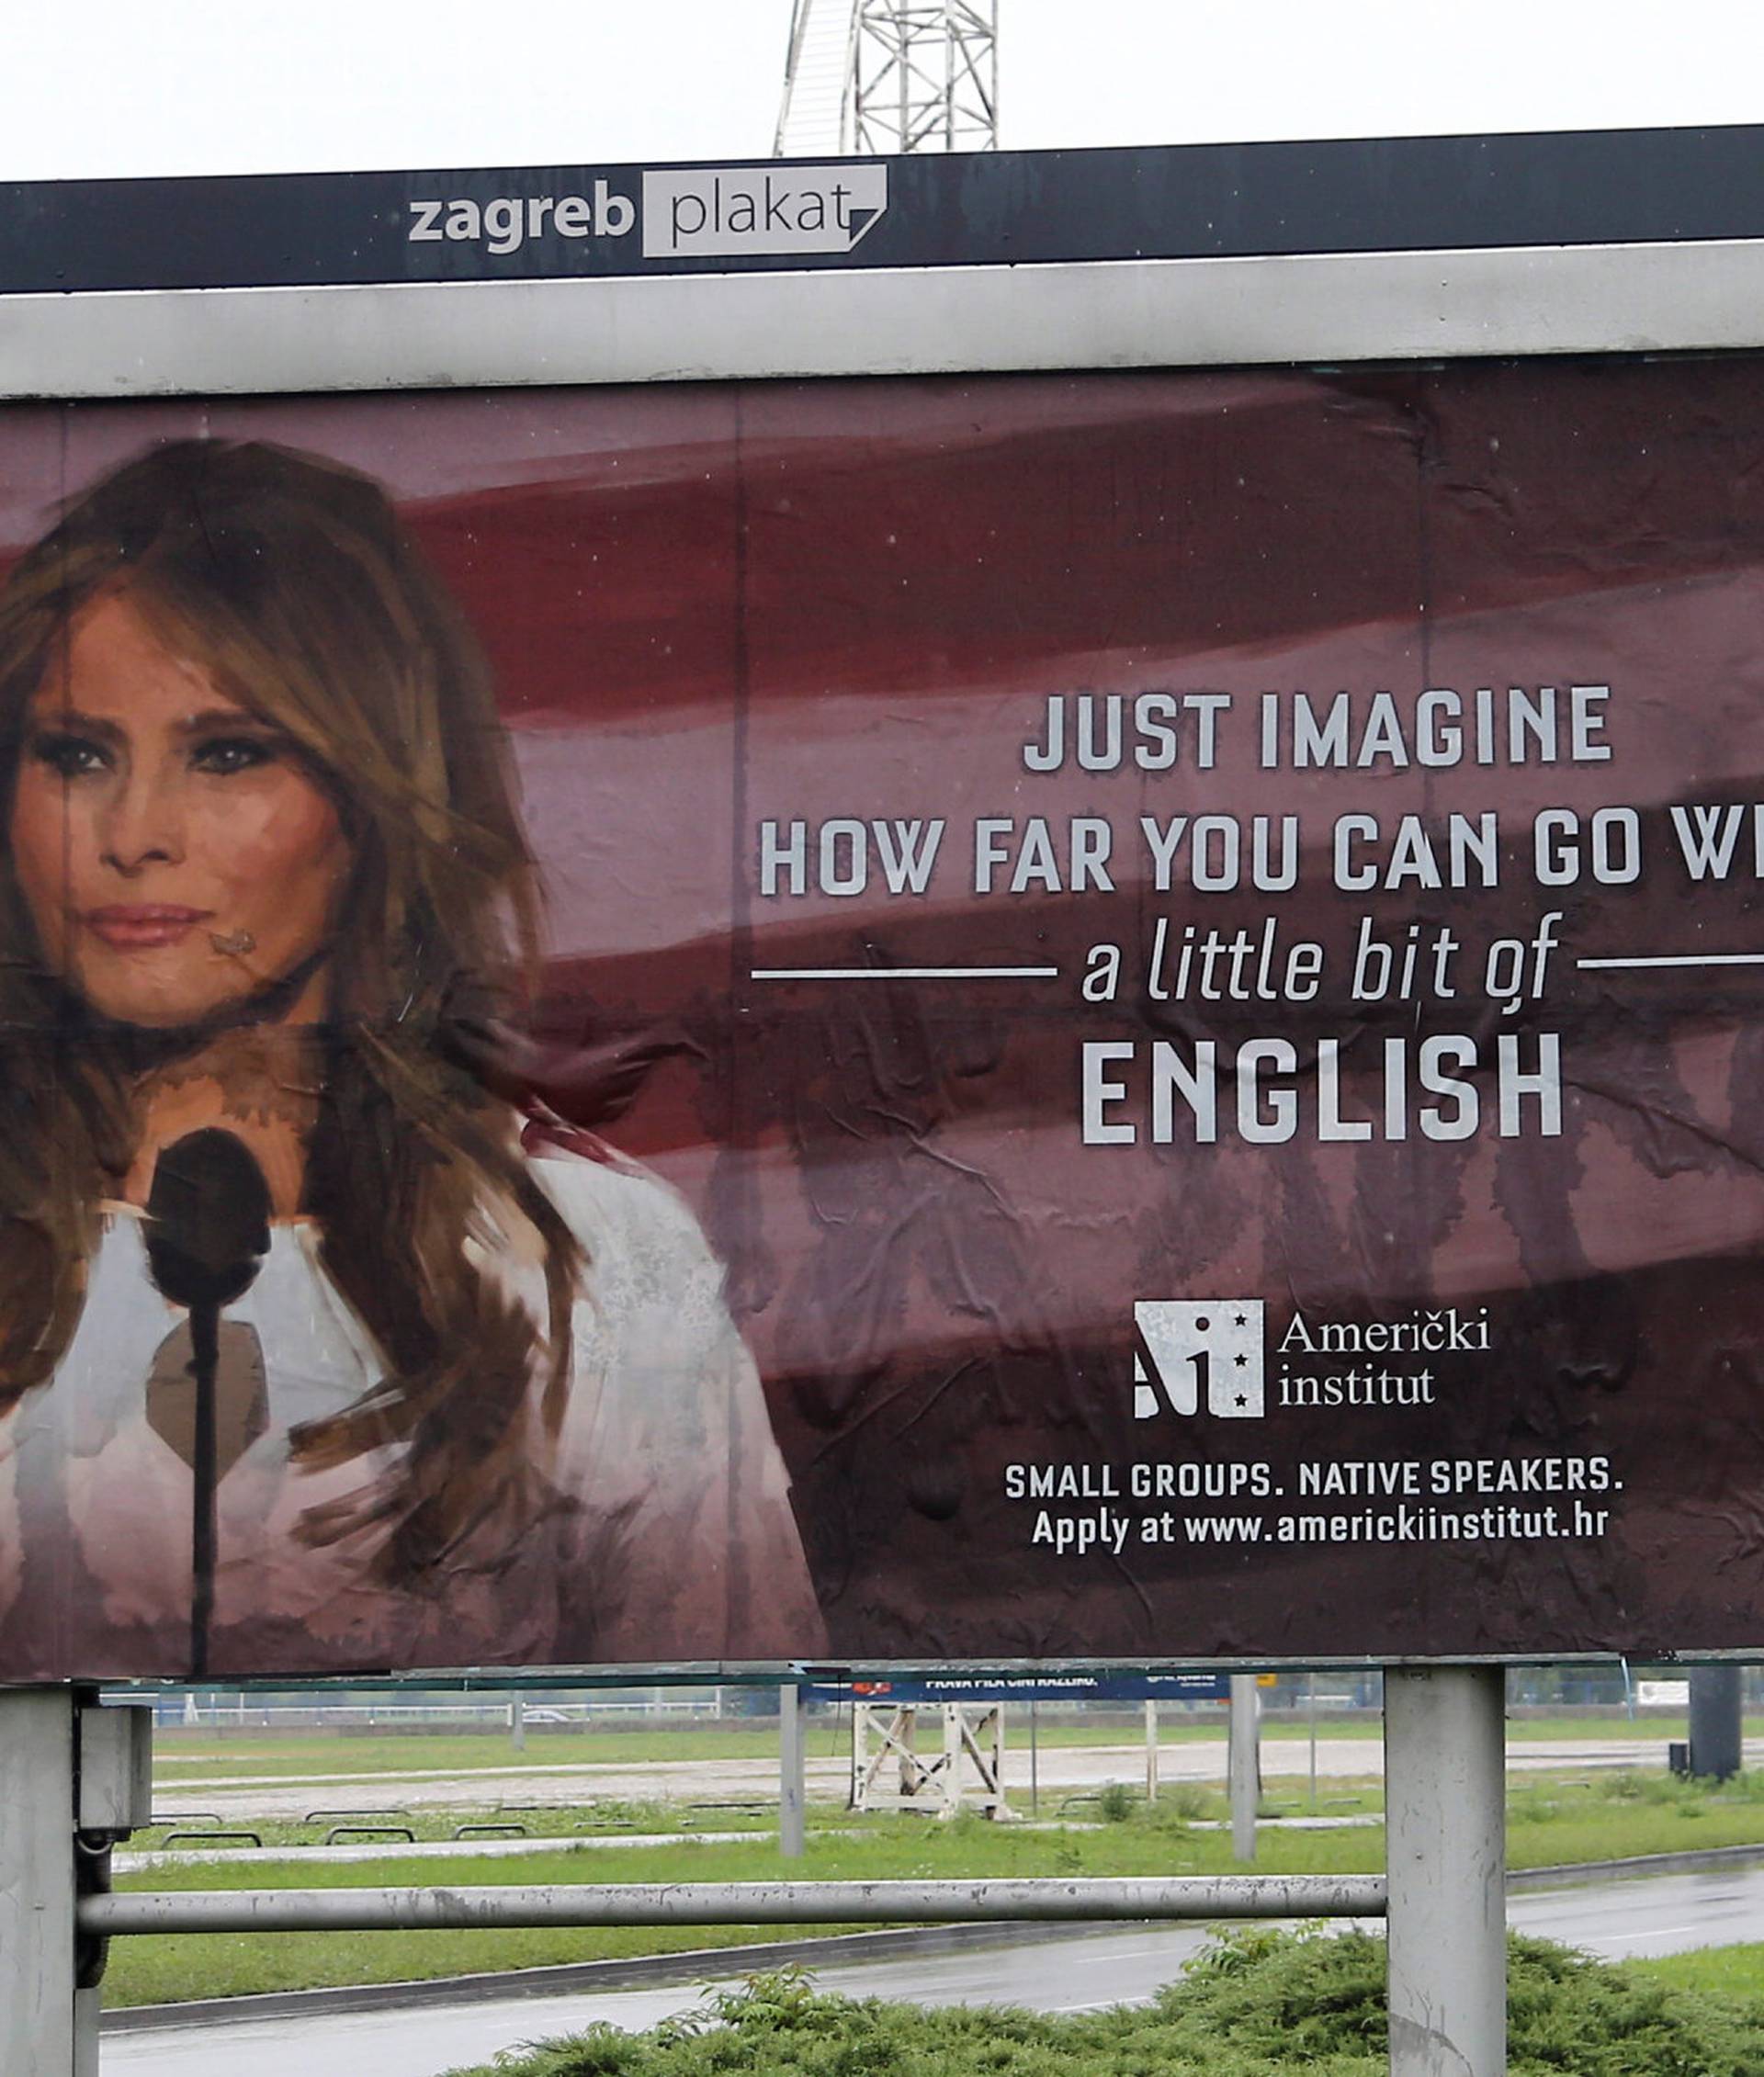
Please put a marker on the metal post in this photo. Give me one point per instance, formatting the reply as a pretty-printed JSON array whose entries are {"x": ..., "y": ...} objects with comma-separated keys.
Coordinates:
[
  {"x": 1717, "y": 1723},
  {"x": 1151, "y": 1752},
  {"x": 47, "y": 2029},
  {"x": 791, "y": 1771},
  {"x": 950, "y": 1774},
  {"x": 1445, "y": 1812},
  {"x": 1034, "y": 1763},
  {"x": 1244, "y": 1768},
  {"x": 1310, "y": 1701},
  {"x": 517, "y": 1720}
]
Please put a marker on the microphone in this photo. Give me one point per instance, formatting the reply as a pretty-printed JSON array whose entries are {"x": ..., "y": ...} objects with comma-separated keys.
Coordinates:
[
  {"x": 208, "y": 1231},
  {"x": 208, "y": 1219}
]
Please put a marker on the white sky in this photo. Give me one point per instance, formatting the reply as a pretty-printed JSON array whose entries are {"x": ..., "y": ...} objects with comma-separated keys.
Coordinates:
[{"x": 120, "y": 87}]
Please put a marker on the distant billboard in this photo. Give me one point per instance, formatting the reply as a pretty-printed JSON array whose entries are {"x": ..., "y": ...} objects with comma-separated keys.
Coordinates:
[
  {"x": 1146, "y": 997},
  {"x": 903, "y": 1690}
]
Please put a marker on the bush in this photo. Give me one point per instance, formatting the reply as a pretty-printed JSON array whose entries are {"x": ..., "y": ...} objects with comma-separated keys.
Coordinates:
[
  {"x": 1114, "y": 1802},
  {"x": 1685, "y": 1793},
  {"x": 1260, "y": 2002},
  {"x": 1187, "y": 1800}
]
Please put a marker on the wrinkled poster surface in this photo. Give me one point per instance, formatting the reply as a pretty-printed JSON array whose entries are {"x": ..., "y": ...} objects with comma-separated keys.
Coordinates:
[{"x": 1143, "y": 1042}]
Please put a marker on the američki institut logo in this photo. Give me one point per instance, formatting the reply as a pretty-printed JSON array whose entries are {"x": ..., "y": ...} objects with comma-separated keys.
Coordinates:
[{"x": 1194, "y": 1352}]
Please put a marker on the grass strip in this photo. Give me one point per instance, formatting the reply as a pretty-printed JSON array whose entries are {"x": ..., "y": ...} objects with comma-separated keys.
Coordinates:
[
  {"x": 1735, "y": 1971},
  {"x": 1612, "y": 1820}
]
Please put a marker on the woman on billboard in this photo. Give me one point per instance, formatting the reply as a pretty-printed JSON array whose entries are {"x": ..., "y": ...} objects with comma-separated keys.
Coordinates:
[{"x": 302, "y": 1327}]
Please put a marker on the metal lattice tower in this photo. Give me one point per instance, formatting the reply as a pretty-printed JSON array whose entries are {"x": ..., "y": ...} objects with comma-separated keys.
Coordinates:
[
  {"x": 815, "y": 115},
  {"x": 874, "y": 77}
]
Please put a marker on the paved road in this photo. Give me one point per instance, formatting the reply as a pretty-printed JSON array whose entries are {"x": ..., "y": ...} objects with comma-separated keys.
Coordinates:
[
  {"x": 1652, "y": 1915},
  {"x": 1062, "y": 1769}
]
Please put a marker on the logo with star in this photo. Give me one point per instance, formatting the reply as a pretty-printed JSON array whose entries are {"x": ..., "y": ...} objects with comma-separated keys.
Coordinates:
[{"x": 1191, "y": 1353}]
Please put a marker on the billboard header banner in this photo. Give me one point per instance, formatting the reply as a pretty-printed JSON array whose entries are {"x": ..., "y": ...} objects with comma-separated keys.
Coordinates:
[{"x": 1181, "y": 203}]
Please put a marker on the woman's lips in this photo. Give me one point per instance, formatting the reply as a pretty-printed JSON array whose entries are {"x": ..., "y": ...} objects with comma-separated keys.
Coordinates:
[{"x": 141, "y": 927}]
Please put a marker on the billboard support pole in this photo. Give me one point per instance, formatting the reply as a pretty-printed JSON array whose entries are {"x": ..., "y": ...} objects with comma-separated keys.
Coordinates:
[
  {"x": 48, "y": 2028},
  {"x": 1717, "y": 1722},
  {"x": 791, "y": 1790},
  {"x": 1243, "y": 1765},
  {"x": 1445, "y": 1810}
]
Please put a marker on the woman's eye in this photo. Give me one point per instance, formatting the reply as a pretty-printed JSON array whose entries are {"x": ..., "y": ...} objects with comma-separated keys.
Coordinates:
[
  {"x": 69, "y": 756},
  {"x": 224, "y": 755}
]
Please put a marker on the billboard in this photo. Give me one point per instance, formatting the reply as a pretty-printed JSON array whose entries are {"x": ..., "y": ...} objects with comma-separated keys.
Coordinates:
[
  {"x": 1043, "y": 1687},
  {"x": 1108, "y": 1016}
]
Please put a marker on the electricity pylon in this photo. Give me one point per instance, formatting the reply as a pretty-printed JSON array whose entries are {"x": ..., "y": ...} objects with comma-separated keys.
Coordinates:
[{"x": 874, "y": 77}]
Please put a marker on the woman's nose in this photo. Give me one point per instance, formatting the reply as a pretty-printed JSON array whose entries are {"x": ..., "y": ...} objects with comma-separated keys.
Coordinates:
[{"x": 141, "y": 825}]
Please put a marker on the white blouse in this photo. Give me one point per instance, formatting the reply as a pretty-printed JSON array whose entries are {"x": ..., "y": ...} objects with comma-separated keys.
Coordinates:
[{"x": 675, "y": 1541}]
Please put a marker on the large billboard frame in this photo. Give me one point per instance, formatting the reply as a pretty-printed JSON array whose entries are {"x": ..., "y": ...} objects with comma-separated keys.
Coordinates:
[
  {"x": 1689, "y": 296},
  {"x": 1692, "y": 293}
]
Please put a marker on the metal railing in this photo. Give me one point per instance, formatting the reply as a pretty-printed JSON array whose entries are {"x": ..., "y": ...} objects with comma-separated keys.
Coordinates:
[
  {"x": 76, "y": 1778},
  {"x": 466, "y": 1716},
  {"x": 733, "y": 1903}
]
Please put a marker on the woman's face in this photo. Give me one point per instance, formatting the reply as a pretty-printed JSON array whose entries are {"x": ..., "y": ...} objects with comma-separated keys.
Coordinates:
[{"x": 175, "y": 855}]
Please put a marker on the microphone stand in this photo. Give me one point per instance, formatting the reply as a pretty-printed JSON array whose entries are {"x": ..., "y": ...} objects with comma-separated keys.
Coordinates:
[
  {"x": 207, "y": 1231},
  {"x": 205, "y": 1356}
]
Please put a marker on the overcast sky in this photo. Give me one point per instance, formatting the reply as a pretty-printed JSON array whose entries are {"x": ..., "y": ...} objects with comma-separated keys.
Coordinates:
[{"x": 120, "y": 86}]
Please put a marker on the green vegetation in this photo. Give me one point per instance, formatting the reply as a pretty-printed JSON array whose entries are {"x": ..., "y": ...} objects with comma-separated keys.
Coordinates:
[
  {"x": 185, "y": 1758},
  {"x": 1259, "y": 2003},
  {"x": 1618, "y": 1815},
  {"x": 1114, "y": 1802},
  {"x": 1736, "y": 1971}
]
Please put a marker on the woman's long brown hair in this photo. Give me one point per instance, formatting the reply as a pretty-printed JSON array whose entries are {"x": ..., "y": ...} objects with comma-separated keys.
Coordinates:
[{"x": 290, "y": 578}]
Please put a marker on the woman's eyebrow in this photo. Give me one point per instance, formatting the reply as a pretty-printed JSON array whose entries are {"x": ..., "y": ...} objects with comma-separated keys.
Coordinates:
[
  {"x": 241, "y": 720},
  {"x": 71, "y": 720}
]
